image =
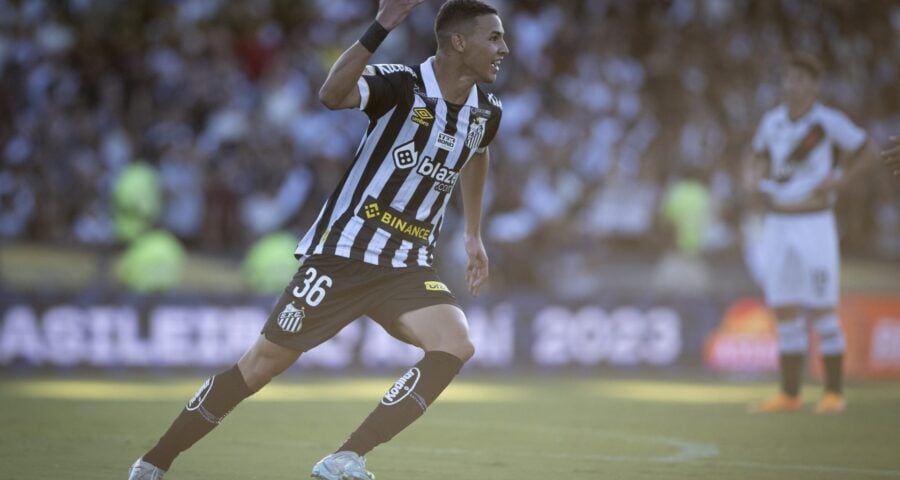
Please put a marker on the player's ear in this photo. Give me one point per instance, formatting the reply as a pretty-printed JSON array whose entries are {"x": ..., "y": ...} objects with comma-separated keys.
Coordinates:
[{"x": 458, "y": 42}]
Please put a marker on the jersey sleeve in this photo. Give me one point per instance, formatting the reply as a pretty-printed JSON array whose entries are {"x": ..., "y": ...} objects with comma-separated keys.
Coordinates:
[
  {"x": 846, "y": 134},
  {"x": 382, "y": 87}
]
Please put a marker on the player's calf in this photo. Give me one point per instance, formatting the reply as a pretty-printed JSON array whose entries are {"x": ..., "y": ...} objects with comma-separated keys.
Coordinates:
[{"x": 208, "y": 407}]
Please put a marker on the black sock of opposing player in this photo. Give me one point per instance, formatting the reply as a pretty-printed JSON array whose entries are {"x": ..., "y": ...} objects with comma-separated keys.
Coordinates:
[
  {"x": 834, "y": 373},
  {"x": 217, "y": 396},
  {"x": 791, "y": 371},
  {"x": 405, "y": 401}
]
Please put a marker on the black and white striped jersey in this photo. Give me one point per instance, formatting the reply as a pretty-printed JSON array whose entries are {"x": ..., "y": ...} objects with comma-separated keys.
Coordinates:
[{"x": 389, "y": 206}]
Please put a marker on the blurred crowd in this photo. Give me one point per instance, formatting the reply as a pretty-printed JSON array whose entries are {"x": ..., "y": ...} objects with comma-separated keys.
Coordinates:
[{"x": 608, "y": 107}]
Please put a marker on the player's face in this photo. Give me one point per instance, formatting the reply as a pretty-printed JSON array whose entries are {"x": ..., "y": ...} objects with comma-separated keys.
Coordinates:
[
  {"x": 800, "y": 86},
  {"x": 485, "y": 48}
]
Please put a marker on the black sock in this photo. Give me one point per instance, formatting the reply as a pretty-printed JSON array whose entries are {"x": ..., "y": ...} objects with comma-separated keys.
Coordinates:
[
  {"x": 834, "y": 373},
  {"x": 791, "y": 373},
  {"x": 406, "y": 401},
  {"x": 213, "y": 401}
]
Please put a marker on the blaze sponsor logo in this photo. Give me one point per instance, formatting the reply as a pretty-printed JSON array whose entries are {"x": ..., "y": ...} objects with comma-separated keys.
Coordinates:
[
  {"x": 433, "y": 286},
  {"x": 405, "y": 156},
  {"x": 444, "y": 177},
  {"x": 445, "y": 142},
  {"x": 198, "y": 398},
  {"x": 394, "y": 221},
  {"x": 402, "y": 387},
  {"x": 291, "y": 318},
  {"x": 422, "y": 116}
]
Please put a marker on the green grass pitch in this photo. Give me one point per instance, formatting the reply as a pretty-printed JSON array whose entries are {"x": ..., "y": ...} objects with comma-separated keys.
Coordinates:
[{"x": 483, "y": 428}]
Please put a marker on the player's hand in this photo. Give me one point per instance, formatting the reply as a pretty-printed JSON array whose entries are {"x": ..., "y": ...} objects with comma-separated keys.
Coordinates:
[
  {"x": 477, "y": 270},
  {"x": 392, "y": 12},
  {"x": 891, "y": 156}
]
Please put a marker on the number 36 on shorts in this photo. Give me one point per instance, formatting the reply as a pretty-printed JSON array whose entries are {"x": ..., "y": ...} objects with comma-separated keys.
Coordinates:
[{"x": 314, "y": 287}]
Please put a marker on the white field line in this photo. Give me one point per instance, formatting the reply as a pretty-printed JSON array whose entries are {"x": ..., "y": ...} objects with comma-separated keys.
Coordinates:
[{"x": 686, "y": 452}]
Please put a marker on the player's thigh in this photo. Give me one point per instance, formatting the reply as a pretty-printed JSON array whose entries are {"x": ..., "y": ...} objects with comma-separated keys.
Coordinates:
[
  {"x": 784, "y": 278},
  {"x": 325, "y": 295},
  {"x": 438, "y": 327},
  {"x": 822, "y": 259},
  {"x": 419, "y": 309}
]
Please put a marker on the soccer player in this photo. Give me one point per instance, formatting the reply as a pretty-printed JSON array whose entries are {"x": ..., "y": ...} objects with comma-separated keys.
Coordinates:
[
  {"x": 891, "y": 156},
  {"x": 802, "y": 146},
  {"x": 371, "y": 249}
]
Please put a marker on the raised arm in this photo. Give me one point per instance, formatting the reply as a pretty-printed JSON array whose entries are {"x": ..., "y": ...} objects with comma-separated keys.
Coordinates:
[
  {"x": 473, "y": 178},
  {"x": 339, "y": 90}
]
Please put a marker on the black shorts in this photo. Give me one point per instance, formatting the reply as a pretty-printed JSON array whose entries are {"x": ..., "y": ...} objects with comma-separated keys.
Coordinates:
[{"x": 329, "y": 292}]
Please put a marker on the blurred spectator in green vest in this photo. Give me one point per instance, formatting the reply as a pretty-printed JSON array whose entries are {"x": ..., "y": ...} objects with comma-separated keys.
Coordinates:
[
  {"x": 153, "y": 262},
  {"x": 270, "y": 263},
  {"x": 686, "y": 209},
  {"x": 137, "y": 200}
]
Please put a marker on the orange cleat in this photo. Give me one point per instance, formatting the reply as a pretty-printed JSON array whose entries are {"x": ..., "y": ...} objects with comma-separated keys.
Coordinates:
[
  {"x": 779, "y": 403},
  {"x": 830, "y": 404}
]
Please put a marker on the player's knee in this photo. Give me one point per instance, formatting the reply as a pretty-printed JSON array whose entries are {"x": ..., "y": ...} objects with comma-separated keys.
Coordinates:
[
  {"x": 462, "y": 348},
  {"x": 831, "y": 337},
  {"x": 263, "y": 362},
  {"x": 256, "y": 376},
  {"x": 792, "y": 337}
]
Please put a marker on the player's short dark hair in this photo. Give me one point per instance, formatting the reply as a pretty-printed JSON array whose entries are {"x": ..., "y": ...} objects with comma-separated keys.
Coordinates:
[
  {"x": 455, "y": 12},
  {"x": 807, "y": 62}
]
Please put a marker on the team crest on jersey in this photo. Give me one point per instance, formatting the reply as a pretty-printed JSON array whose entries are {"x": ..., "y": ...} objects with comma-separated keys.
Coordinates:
[
  {"x": 405, "y": 156},
  {"x": 291, "y": 318},
  {"x": 476, "y": 132},
  {"x": 422, "y": 116}
]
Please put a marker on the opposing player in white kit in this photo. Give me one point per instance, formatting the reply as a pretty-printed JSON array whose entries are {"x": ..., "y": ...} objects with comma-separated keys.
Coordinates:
[{"x": 806, "y": 152}]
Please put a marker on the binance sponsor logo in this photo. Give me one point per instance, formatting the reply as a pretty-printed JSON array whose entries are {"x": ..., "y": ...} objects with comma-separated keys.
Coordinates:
[
  {"x": 422, "y": 116},
  {"x": 432, "y": 286},
  {"x": 394, "y": 221},
  {"x": 372, "y": 210}
]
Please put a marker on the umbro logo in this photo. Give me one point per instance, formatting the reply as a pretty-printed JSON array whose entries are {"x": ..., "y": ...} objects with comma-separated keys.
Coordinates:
[{"x": 422, "y": 116}]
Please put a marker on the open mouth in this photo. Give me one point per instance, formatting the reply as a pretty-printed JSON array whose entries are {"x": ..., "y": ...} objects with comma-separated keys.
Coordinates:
[{"x": 495, "y": 65}]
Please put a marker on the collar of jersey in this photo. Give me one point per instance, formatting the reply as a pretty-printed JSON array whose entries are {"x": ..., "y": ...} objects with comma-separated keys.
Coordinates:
[{"x": 433, "y": 90}]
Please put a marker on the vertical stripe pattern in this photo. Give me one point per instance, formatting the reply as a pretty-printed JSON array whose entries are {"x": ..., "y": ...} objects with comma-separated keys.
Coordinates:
[{"x": 388, "y": 207}]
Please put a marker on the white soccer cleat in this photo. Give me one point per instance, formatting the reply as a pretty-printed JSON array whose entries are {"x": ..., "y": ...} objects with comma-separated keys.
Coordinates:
[
  {"x": 142, "y": 470},
  {"x": 342, "y": 466}
]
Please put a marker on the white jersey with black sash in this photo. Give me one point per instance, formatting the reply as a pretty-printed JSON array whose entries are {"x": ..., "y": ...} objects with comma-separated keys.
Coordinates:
[
  {"x": 389, "y": 206},
  {"x": 802, "y": 153}
]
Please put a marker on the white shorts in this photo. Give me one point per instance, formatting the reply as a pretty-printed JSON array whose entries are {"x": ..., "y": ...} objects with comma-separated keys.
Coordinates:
[{"x": 800, "y": 260}]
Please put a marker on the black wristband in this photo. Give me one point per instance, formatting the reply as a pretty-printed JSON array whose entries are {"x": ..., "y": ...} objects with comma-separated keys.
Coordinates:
[{"x": 373, "y": 37}]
